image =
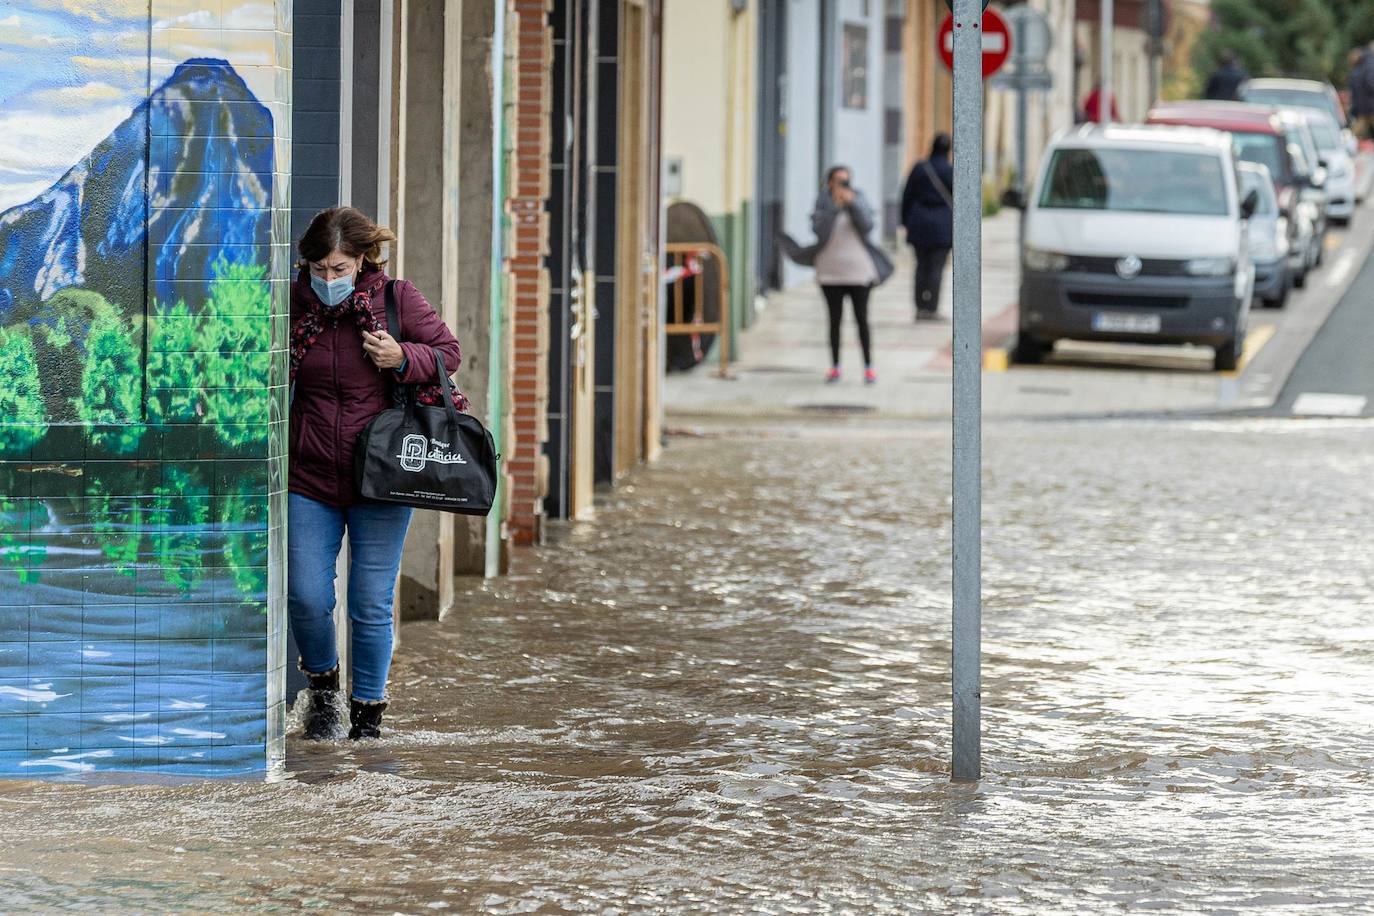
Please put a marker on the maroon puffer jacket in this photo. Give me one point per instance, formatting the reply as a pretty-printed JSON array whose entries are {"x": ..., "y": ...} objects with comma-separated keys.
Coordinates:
[{"x": 339, "y": 390}]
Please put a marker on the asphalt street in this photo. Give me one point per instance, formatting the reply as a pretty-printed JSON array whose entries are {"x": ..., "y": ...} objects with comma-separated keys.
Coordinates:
[{"x": 1335, "y": 375}]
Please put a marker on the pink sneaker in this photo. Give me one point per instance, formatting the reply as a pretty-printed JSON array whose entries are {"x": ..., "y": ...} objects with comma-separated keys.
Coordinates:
[
  {"x": 870, "y": 377},
  {"x": 833, "y": 375}
]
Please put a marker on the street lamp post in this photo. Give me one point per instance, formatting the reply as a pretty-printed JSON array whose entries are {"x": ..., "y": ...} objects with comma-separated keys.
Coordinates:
[{"x": 966, "y": 675}]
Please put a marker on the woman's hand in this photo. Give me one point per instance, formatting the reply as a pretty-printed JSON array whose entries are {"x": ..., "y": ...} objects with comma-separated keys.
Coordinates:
[
  {"x": 843, "y": 197},
  {"x": 383, "y": 350}
]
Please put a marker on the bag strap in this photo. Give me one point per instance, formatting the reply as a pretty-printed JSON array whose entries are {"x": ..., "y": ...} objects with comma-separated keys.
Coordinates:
[
  {"x": 445, "y": 386},
  {"x": 939, "y": 183},
  {"x": 399, "y": 392},
  {"x": 393, "y": 320}
]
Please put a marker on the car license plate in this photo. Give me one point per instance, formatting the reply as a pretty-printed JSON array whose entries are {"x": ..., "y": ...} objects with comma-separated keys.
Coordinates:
[{"x": 1126, "y": 323}]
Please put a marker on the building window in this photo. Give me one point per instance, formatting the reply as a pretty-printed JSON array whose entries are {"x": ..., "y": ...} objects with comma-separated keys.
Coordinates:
[{"x": 854, "y": 66}]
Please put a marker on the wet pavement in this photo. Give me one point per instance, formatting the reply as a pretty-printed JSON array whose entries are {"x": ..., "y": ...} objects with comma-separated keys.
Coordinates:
[{"x": 729, "y": 694}]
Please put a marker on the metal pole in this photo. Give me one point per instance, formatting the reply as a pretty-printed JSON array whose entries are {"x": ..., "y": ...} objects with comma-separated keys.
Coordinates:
[
  {"x": 1156, "y": 14},
  {"x": 1019, "y": 56},
  {"x": 1104, "y": 105},
  {"x": 496, "y": 363},
  {"x": 968, "y": 365}
]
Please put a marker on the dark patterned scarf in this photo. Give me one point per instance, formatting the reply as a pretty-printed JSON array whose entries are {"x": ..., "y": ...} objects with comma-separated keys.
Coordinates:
[{"x": 307, "y": 329}]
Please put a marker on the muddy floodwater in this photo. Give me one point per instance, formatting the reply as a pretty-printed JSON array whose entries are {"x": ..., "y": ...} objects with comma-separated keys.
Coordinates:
[{"x": 729, "y": 693}]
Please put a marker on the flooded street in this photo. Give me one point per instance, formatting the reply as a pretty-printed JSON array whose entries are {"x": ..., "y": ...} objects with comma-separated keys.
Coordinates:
[{"x": 729, "y": 693}]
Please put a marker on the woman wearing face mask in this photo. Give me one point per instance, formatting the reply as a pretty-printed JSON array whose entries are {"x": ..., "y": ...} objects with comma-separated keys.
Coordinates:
[{"x": 344, "y": 366}]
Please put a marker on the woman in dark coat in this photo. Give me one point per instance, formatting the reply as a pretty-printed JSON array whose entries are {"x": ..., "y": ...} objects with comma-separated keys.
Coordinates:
[
  {"x": 344, "y": 367},
  {"x": 928, "y": 215}
]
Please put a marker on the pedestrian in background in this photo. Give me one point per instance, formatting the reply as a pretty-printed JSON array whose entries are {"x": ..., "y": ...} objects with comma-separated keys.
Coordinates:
[
  {"x": 848, "y": 265},
  {"x": 1224, "y": 83},
  {"x": 1362, "y": 94},
  {"x": 1092, "y": 107},
  {"x": 344, "y": 366},
  {"x": 928, "y": 216}
]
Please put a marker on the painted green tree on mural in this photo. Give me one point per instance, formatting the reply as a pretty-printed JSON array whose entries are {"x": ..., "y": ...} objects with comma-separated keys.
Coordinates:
[
  {"x": 182, "y": 507},
  {"x": 109, "y": 405},
  {"x": 21, "y": 395},
  {"x": 173, "y": 383},
  {"x": 118, "y": 525},
  {"x": 18, "y": 517},
  {"x": 236, "y": 341},
  {"x": 245, "y": 541}
]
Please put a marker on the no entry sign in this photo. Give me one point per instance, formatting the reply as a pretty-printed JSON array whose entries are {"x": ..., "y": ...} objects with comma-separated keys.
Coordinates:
[{"x": 996, "y": 42}]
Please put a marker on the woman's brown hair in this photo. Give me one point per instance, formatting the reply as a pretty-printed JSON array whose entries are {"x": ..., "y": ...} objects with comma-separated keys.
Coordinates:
[{"x": 348, "y": 230}]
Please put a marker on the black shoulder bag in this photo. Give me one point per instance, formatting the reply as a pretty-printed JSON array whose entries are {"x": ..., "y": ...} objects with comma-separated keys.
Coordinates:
[{"x": 426, "y": 457}]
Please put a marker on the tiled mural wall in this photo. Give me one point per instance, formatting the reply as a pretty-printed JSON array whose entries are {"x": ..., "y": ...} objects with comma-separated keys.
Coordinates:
[{"x": 144, "y": 251}]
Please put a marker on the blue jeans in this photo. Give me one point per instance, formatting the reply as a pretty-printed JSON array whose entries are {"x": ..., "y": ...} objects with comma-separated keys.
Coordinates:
[{"x": 376, "y": 534}]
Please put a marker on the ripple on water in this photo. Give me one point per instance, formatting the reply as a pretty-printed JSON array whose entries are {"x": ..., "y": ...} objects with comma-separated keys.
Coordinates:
[{"x": 730, "y": 693}]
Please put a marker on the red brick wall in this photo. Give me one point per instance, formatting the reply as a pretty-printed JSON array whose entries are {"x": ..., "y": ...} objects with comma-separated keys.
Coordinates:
[{"x": 527, "y": 277}]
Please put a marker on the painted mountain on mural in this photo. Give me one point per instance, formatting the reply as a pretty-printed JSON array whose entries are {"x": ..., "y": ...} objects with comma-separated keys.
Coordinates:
[{"x": 149, "y": 218}]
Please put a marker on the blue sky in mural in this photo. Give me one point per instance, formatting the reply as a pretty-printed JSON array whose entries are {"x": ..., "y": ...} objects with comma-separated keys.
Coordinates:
[{"x": 72, "y": 70}]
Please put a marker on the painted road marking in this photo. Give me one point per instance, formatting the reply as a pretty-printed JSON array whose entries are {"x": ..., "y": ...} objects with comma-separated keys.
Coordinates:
[
  {"x": 1318, "y": 404},
  {"x": 998, "y": 359},
  {"x": 1340, "y": 271},
  {"x": 1255, "y": 339}
]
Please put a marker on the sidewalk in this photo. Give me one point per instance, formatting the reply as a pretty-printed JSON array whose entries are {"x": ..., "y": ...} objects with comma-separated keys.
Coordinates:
[{"x": 784, "y": 355}]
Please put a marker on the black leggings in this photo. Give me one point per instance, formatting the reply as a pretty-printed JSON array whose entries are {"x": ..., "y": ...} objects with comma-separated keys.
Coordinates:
[
  {"x": 834, "y": 300},
  {"x": 930, "y": 272}
]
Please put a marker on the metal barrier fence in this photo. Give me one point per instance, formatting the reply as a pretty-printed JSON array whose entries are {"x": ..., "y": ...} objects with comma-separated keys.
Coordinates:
[{"x": 687, "y": 260}]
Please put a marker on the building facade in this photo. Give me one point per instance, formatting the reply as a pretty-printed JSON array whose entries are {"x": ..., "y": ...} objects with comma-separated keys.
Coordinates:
[
  {"x": 710, "y": 129},
  {"x": 1073, "y": 66},
  {"x": 829, "y": 105}
]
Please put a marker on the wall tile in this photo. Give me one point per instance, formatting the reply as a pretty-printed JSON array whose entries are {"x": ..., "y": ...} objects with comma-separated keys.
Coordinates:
[{"x": 150, "y": 576}]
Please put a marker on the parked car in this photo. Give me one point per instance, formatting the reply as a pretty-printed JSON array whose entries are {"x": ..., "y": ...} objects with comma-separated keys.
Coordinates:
[
  {"x": 1311, "y": 194},
  {"x": 1268, "y": 230},
  {"x": 1309, "y": 94},
  {"x": 1260, "y": 136},
  {"x": 1137, "y": 234},
  {"x": 1340, "y": 167}
]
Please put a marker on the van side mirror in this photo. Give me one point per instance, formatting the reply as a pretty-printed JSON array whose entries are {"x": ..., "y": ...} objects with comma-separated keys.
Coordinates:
[
  {"x": 1014, "y": 199},
  {"x": 1250, "y": 204},
  {"x": 1318, "y": 178}
]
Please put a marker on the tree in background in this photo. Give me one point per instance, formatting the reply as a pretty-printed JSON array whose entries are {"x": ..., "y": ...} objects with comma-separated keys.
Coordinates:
[
  {"x": 22, "y": 421},
  {"x": 1300, "y": 38}
]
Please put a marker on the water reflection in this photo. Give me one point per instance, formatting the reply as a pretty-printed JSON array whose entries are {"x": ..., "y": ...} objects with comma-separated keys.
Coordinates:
[{"x": 730, "y": 693}]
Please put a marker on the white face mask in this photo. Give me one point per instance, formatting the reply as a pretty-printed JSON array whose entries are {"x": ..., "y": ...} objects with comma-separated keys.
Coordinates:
[{"x": 333, "y": 292}]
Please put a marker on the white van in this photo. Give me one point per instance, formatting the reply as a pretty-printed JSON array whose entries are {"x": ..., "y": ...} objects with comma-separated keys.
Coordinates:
[{"x": 1137, "y": 234}]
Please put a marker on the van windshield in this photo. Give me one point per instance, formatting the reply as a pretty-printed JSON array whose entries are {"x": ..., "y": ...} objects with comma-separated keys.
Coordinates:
[
  {"x": 1263, "y": 149},
  {"x": 1326, "y": 133},
  {"x": 1266, "y": 205},
  {"x": 1136, "y": 181},
  {"x": 1292, "y": 98}
]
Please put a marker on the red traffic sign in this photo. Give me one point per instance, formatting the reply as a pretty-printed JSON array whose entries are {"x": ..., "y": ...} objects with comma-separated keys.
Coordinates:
[{"x": 996, "y": 42}]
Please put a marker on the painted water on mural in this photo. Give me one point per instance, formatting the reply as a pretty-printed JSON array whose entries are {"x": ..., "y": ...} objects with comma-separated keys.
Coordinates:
[{"x": 137, "y": 333}]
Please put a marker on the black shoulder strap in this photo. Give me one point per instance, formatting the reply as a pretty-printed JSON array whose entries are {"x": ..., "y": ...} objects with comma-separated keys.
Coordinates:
[
  {"x": 399, "y": 392},
  {"x": 393, "y": 321}
]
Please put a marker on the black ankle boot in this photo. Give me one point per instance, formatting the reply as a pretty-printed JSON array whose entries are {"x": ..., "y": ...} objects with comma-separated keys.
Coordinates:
[
  {"x": 367, "y": 719},
  {"x": 321, "y": 711}
]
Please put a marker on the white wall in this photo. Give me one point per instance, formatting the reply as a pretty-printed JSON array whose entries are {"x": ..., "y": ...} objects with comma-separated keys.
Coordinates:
[
  {"x": 694, "y": 89},
  {"x": 856, "y": 134},
  {"x": 801, "y": 168}
]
